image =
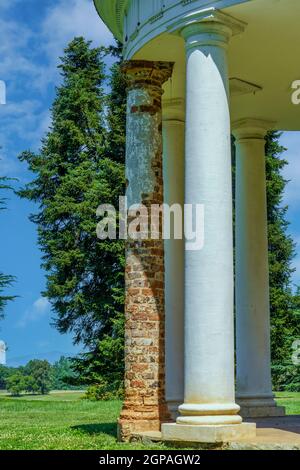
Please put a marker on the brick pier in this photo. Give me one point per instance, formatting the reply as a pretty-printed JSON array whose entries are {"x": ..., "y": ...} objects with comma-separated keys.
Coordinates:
[{"x": 144, "y": 407}]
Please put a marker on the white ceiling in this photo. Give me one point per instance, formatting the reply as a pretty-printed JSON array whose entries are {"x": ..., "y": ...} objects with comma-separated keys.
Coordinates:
[{"x": 266, "y": 54}]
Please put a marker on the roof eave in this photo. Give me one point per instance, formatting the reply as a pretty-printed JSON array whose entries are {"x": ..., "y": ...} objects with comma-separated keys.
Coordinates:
[{"x": 112, "y": 13}]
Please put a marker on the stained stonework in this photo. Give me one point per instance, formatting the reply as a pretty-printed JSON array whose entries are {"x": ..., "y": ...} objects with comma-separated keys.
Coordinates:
[{"x": 144, "y": 407}]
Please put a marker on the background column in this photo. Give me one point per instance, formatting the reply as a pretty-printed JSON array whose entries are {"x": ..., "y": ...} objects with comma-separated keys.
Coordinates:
[
  {"x": 144, "y": 407},
  {"x": 254, "y": 385},
  {"x": 173, "y": 140}
]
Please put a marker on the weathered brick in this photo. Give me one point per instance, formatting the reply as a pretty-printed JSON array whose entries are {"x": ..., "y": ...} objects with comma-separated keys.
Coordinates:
[
  {"x": 137, "y": 383},
  {"x": 144, "y": 407}
]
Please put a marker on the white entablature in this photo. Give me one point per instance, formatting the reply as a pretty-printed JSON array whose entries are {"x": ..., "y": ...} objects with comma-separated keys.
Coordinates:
[
  {"x": 135, "y": 22},
  {"x": 259, "y": 88}
]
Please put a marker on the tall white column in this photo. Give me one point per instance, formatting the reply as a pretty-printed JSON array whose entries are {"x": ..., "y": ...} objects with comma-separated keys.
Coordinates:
[
  {"x": 254, "y": 385},
  {"x": 173, "y": 162},
  {"x": 209, "y": 412},
  {"x": 209, "y": 337}
]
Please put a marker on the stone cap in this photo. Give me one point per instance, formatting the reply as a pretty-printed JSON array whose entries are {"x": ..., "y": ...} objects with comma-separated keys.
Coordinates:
[{"x": 146, "y": 72}]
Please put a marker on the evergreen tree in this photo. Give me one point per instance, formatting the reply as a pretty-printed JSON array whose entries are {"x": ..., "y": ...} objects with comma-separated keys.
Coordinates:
[
  {"x": 5, "y": 280},
  {"x": 61, "y": 373},
  {"x": 102, "y": 368},
  {"x": 285, "y": 304},
  {"x": 117, "y": 102},
  {"x": 75, "y": 173}
]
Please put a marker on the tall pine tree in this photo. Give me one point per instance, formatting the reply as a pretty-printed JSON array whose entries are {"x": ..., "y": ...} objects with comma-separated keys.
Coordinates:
[
  {"x": 285, "y": 304},
  {"x": 102, "y": 368},
  {"x": 74, "y": 174}
]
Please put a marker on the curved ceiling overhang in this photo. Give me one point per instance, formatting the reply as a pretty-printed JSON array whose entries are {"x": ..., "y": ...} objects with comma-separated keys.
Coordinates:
[{"x": 112, "y": 13}]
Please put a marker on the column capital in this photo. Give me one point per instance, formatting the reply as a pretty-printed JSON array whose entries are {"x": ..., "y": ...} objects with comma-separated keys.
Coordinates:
[
  {"x": 143, "y": 73},
  {"x": 173, "y": 109},
  {"x": 214, "y": 26},
  {"x": 251, "y": 129}
]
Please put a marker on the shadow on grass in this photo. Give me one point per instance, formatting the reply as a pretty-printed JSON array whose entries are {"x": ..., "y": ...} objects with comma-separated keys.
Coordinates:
[{"x": 97, "y": 428}]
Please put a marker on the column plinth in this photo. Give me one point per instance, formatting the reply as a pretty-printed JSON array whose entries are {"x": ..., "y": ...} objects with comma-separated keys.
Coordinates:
[
  {"x": 209, "y": 393},
  {"x": 144, "y": 407},
  {"x": 254, "y": 384}
]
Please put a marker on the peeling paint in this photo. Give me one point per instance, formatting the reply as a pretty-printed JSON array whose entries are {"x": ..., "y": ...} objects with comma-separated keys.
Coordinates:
[
  {"x": 144, "y": 407},
  {"x": 144, "y": 140}
]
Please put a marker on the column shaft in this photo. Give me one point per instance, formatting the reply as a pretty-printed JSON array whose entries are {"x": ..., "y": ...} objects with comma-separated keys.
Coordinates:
[
  {"x": 254, "y": 385},
  {"x": 144, "y": 407},
  {"x": 209, "y": 330},
  {"x": 173, "y": 138}
]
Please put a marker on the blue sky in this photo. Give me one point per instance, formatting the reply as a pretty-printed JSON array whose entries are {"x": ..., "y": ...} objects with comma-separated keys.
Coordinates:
[
  {"x": 291, "y": 141},
  {"x": 33, "y": 34}
]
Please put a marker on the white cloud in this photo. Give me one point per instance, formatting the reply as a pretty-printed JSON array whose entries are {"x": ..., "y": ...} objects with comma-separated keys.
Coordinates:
[
  {"x": 28, "y": 64},
  {"x": 5, "y": 4},
  {"x": 39, "y": 309},
  {"x": 21, "y": 47},
  {"x": 66, "y": 20},
  {"x": 25, "y": 119},
  {"x": 41, "y": 305},
  {"x": 15, "y": 53},
  {"x": 70, "y": 18},
  {"x": 8, "y": 166}
]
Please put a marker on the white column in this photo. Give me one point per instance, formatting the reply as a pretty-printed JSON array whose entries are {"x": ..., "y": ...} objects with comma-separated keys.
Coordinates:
[
  {"x": 209, "y": 331},
  {"x": 254, "y": 385},
  {"x": 209, "y": 412},
  {"x": 173, "y": 159}
]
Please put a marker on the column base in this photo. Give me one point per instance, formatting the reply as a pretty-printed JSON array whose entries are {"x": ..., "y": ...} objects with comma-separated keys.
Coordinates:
[
  {"x": 208, "y": 433},
  {"x": 207, "y": 420},
  {"x": 173, "y": 406},
  {"x": 260, "y": 407},
  {"x": 262, "y": 411}
]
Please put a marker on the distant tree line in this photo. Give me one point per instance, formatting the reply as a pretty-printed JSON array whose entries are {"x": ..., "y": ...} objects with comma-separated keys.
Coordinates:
[{"x": 37, "y": 377}]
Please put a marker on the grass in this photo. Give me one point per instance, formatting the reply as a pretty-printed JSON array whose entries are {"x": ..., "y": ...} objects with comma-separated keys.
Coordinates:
[
  {"x": 63, "y": 421},
  {"x": 60, "y": 421},
  {"x": 291, "y": 401}
]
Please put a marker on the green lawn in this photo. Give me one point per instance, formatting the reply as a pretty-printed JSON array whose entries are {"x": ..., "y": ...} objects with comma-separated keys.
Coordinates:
[
  {"x": 291, "y": 401},
  {"x": 63, "y": 420}
]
